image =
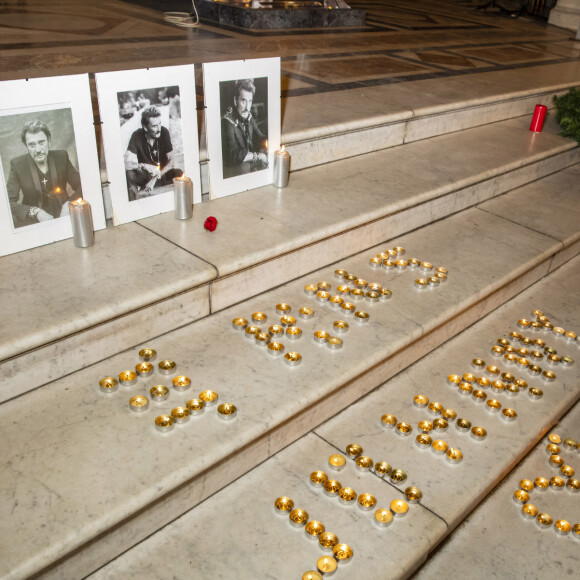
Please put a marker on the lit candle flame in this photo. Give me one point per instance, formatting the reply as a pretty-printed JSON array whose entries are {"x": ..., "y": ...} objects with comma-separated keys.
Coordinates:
[
  {"x": 57, "y": 190},
  {"x": 283, "y": 148}
]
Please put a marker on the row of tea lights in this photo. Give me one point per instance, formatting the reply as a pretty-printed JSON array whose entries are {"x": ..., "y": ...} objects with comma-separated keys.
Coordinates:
[
  {"x": 352, "y": 287},
  {"x": 542, "y": 322},
  {"x": 363, "y": 463},
  {"x": 522, "y": 495},
  {"x": 390, "y": 260}
]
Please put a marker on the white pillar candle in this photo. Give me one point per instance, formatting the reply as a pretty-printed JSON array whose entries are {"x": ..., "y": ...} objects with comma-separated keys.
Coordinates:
[
  {"x": 281, "y": 167},
  {"x": 183, "y": 196},
  {"x": 81, "y": 218}
]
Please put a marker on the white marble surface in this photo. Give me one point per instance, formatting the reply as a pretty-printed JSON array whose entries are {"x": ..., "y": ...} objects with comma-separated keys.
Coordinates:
[
  {"x": 80, "y": 426},
  {"x": 497, "y": 541},
  {"x": 227, "y": 538},
  {"x": 487, "y": 461},
  {"x": 54, "y": 291}
]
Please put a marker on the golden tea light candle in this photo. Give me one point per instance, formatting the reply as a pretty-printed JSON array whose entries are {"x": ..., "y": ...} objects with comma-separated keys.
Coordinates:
[
  {"x": 386, "y": 294},
  {"x": 343, "y": 289},
  {"x": 327, "y": 565},
  {"x": 340, "y": 326},
  {"x": 420, "y": 401},
  {"x": 348, "y": 307},
  {"x": 346, "y": 496},
  {"x": 434, "y": 282},
  {"x": 180, "y": 414},
  {"x": 576, "y": 531},
  {"x": 573, "y": 485},
  {"x": 306, "y": 313},
  {"x": 435, "y": 408},
  {"x": 321, "y": 336},
  {"x": 529, "y": 510},
  {"x": 251, "y": 331},
  {"x": 423, "y": 441},
  {"x": 360, "y": 283},
  {"x": 262, "y": 338},
  {"x": 334, "y": 343},
  {"x": 353, "y": 450},
  {"x": 81, "y": 218},
  {"x": 562, "y": 527},
  {"x": 425, "y": 426},
  {"x": 350, "y": 278},
  {"x": 361, "y": 316},
  {"x": 421, "y": 283},
  {"x": 535, "y": 393},
  {"x": 109, "y": 385},
  {"x": 478, "y": 433},
  {"x": 570, "y": 443},
  {"x": 259, "y": 317},
  {"x": 287, "y": 321},
  {"x": 570, "y": 335},
  {"x": 401, "y": 265},
  {"x": 293, "y": 332},
  {"x": 497, "y": 351},
  {"x": 336, "y": 301},
  {"x": 439, "y": 447},
  {"x": 138, "y": 403},
  {"x": 332, "y": 487},
  {"x": 313, "y": 529},
  {"x": 567, "y": 471},
  {"x": 558, "y": 331},
  {"x": 312, "y": 575},
  {"x": 209, "y": 397},
  {"x": 521, "y": 496},
  {"x": 453, "y": 456},
  {"x": 544, "y": 520},
  {"x": 327, "y": 540},
  {"x": 366, "y": 501},
  {"x": 181, "y": 383},
  {"x": 463, "y": 425},
  {"x": 493, "y": 405},
  {"x": 483, "y": 382},
  {"x": 239, "y": 323},
  {"x": 403, "y": 429},
  {"x": 195, "y": 406},
  {"x": 340, "y": 274},
  {"x": 469, "y": 377},
  {"x": 553, "y": 449},
  {"x": 508, "y": 414},
  {"x": 549, "y": 376},
  {"x": 454, "y": 380},
  {"x": 413, "y": 262},
  {"x": 310, "y": 289},
  {"x": 167, "y": 367},
  {"x": 557, "y": 483},
  {"x": 357, "y": 294},
  {"x": 147, "y": 354},
  {"x": 318, "y": 478},
  {"x": 400, "y": 250},
  {"x": 465, "y": 388},
  {"x": 534, "y": 370},
  {"x": 298, "y": 517},
  {"x": 413, "y": 494},
  {"x": 159, "y": 393},
  {"x": 389, "y": 265},
  {"x": 375, "y": 262},
  {"x": 337, "y": 462},
  {"x": 382, "y": 468},
  {"x": 363, "y": 463},
  {"x": 567, "y": 361},
  {"x": 399, "y": 508},
  {"x": 497, "y": 386},
  {"x": 541, "y": 483},
  {"x": 492, "y": 371},
  {"x": 144, "y": 369},
  {"x": 398, "y": 476},
  {"x": 293, "y": 359},
  {"x": 164, "y": 423},
  {"x": 227, "y": 411},
  {"x": 388, "y": 421},
  {"x": 449, "y": 414},
  {"x": 440, "y": 425},
  {"x": 383, "y": 517},
  {"x": 555, "y": 438},
  {"x": 372, "y": 296},
  {"x": 182, "y": 197},
  {"x": 275, "y": 348},
  {"x": 283, "y": 308},
  {"x": 276, "y": 331},
  {"x": 283, "y": 505}
]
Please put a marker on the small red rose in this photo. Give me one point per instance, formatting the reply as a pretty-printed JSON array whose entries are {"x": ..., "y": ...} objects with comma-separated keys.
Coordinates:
[{"x": 210, "y": 223}]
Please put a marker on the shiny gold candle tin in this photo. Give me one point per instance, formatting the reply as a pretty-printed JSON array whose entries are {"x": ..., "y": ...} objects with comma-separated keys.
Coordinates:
[
  {"x": 167, "y": 367},
  {"x": 469, "y": 377},
  {"x": 366, "y": 501},
  {"x": 423, "y": 441},
  {"x": 449, "y": 414},
  {"x": 144, "y": 369},
  {"x": 298, "y": 517},
  {"x": 337, "y": 462},
  {"x": 251, "y": 331},
  {"x": 259, "y": 318},
  {"x": 360, "y": 283},
  {"x": 318, "y": 478},
  {"x": 521, "y": 384},
  {"x": 388, "y": 421},
  {"x": 567, "y": 361},
  {"x": 375, "y": 262},
  {"x": 336, "y": 301},
  {"x": 558, "y": 483},
  {"x": 313, "y": 529},
  {"x": 340, "y": 326},
  {"x": 327, "y": 565},
  {"x": 548, "y": 376},
  {"x": 276, "y": 331},
  {"x": 209, "y": 397},
  {"x": 440, "y": 425},
  {"x": 383, "y": 517},
  {"x": 275, "y": 348},
  {"x": 442, "y": 270},
  {"x": 529, "y": 510},
  {"x": 398, "y": 476},
  {"x": 413, "y": 262},
  {"x": 320, "y": 336},
  {"x": 108, "y": 385},
  {"x": 413, "y": 494},
  {"x": 512, "y": 390},
  {"x": 570, "y": 444},
  {"x": 539, "y": 342},
  {"x": 493, "y": 405},
  {"x": 164, "y": 423},
  {"x": 435, "y": 408},
  {"x": 340, "y": 274},
  {"x": 442, "y": 277},
  {"x": 327, "y": 540},
  {"x": 434, "y": 281},
  {"x": 361, "y": 316},
  {"x": 287, "y": 321},
  {"x": 535, "y": 393},
  {"x": 312, "y": 575},
  {"x": 426, "y": 266},
  {"x": 374, "y": 287},
  {"x": 508, "y": 414},
  {"x": 382, "y": 468},
  {"x": 521, "y": 496},
  {"x": 567, "y": 471},
  {"x": 523, "y": 323},
  {"x": 293, "y": 359},
  {"x": 138, "y": 403},
  {"x": 385, "y": 294},
  {"x": 181, "y": 383},
  {"x": 227, "y": 411},
  {"x": 453, "y": 456},
  {"x": 331, "y": 487},
  {"x": 283, "y": 505},
  {"x": 310, "y": 289},
  {"x": 541, "y": 483},
  {"x": 497, "y": 351},
  {"x": 127, "y": 378},
  {"x": 425, "y": 426},
  {"x": 478, "y": 433},
  {"x": 389, "y": 265},
  {"x": 562, "y": 527},
  {"x": 439, "y": 447},
  {"x": 454, "y": 380},
  {"x": 195, "y": 406},
  {"x": 363, "y": 463},
  {"x": 399, "y": 507},
  {"x": 421, "y": 283},
  {"x": 346, "y": 496},
  {"x": 350, "y": 278},
  {"x": 293, "y": 332},
  {"x": 401, "y": 265},
  {"x": 281, "y": 309},
  {"x": 515, "y": 336},
  {"x": 147, "y": 354},
  {"x": 544, "y": 520},
  {"x": 180, "y": 414},
  {"x": 478, "y": 364},
  {"x": 348, "y": 308},
  {"x": 556, "y": 461},
  {"x": 479, "y": 396},
  {"x": 353, "y": 450},
  {"x": 553, "y": 449},
  {"x": 570, "y": 335},
  {"x": 508, "y": 378},
  {"x": 344, "y": 289},
  {"x": 262, "y": 339},
  {"x": 420, "y": 401},
  {"x": 463, "y": 425},
  {"x": 492, "y": 371},
  {"x": 159, "y": 393},
  {"x": 372, "y": 296},
  {"x": 555, "y": 438},
  {"x": 526, "y": 341},
  {"x": 534, "y": 370},
  {"x": 403, "y": 429},
  {"x": 343, "y": 553},
  {"x": 553, "y": 359},
  {"x": 526, "y": 484},
  {"x": 324, "y": 286},
  {"x": 497, "y": 386},
  {"x": 323, "y": 296},
  {"x": 576, "y": 531},
  {"x": 400, "y": 251},
  {"x": 511, "y": 358},
  {"x": 573, "y": 485},
  {"x": 334, "y": 343}
]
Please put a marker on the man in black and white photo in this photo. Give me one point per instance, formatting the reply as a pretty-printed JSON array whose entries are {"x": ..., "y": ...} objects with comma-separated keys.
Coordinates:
[
  {"x": 37, "y": 181},
  {"x": 244, "y": 147},
  {"x": 149, "y": 157}
]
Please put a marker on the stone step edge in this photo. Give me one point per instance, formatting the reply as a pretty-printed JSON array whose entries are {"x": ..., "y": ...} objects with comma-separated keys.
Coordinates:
[{"x": 187, "y": 495}]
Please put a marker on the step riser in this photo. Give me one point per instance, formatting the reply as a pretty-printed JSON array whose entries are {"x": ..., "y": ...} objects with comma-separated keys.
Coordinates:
[{"x": 131, "y": 532}]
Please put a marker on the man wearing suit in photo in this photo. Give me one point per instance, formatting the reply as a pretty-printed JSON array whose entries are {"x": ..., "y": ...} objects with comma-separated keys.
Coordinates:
[
  {"x": 244, "y": 147},
  {"x": 38, "y": 180}
]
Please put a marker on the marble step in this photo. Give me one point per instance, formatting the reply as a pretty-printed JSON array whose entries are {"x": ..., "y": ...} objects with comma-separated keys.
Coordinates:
[
  {"x": 225, "y": 537},
  {"x": 86, "y": 478},
  {"x": 143, "y": 279}
]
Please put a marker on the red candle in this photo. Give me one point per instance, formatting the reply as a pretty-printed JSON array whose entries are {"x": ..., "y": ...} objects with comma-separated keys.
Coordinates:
[{"x": 538, "y": 118}]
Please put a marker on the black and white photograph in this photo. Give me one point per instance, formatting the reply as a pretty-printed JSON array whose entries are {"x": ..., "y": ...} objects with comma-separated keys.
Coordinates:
[
  {"x": 244, "y": 105},
  {"x": 40, "y": 160},
  {"x": 150, "y": 137},
  {"x": 243, "y": 123}
]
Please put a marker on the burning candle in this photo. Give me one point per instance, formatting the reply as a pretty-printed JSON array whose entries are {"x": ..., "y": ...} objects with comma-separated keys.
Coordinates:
[
  {"x": 281, "y": 167},
  {"x": 81, "y": 219},
  {"x": 183, "y": 197}
]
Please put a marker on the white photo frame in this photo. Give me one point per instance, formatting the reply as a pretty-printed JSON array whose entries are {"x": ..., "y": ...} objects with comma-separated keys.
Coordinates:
[
  {"x": 233, "y": 166},
  {"x": 58, "y": 114},
  {"x": 126, "y": 100}
]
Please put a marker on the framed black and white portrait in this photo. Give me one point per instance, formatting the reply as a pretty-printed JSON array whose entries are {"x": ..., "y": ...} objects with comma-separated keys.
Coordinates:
[
  {"x": 243, "y": 123},
  {"x": 48, "y": 157},
  {"x": 149, "y": 124}
]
